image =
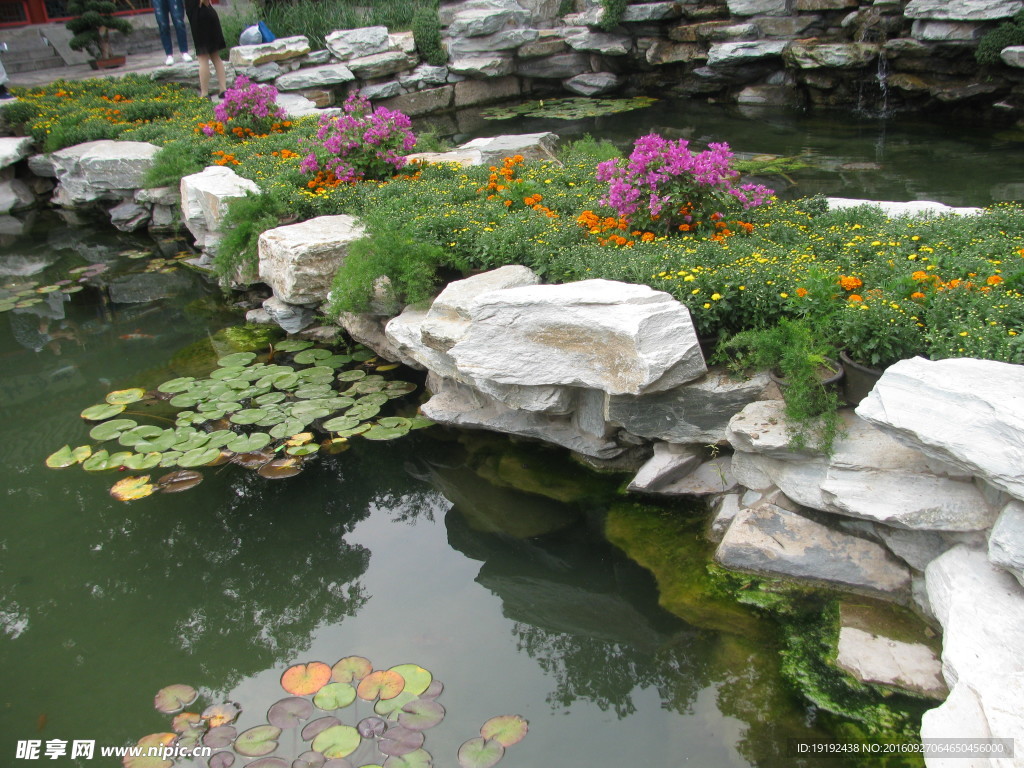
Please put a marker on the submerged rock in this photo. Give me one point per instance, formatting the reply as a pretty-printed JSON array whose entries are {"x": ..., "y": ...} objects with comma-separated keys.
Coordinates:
[{"x": 881, "y": 660}]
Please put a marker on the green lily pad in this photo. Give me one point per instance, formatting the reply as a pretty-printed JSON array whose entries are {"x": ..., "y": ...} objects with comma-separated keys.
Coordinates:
[
  {"x": 170, "y": 459},
  {"x": 363, "y": 412},
  {"x": 230, "y": 372},
  {"x": 293, "y": 345},
  {"x": 505, "y": 729},
  {"x": 302, "y": 450},
  {"x": 419, "y": 758},
  {"x": 258, "y": 741},
  {"x": 357, "y": 430},
  {"x": 377, "y": 432},
  {"x": 270, "y": 398},
  {"x": 284, "y": 380},
  {"x": 247, "y": 416},
  {"x": 420, "y": 422},
  {"x": 337, "y": 741},
  {"x": 417, "y": 679},
  {"x": 249, "y": 443},
  {"x": 351, "y": 668},
  {"x": 185, "y": 400},
  {"x": 125, "y": 396},
  {"x": 574, "y": 108},
  {"x": 220, "y": 438},
  {"x": 353, "y": 375},
  {"x": 273, "y": 417},
  {"x": 139, "y": 461},
  {"x": 67, "y": 456},
  {"x": 340, "y": 423},
  {"x": 314, "y": 727},
  {"x": 238, "y": 358},
  {"x": 334, "y": 696},
  {"x": 377, "y": 398},
  {"x": 97, "y": 462},
  {"x": 308, "y": 356},
  {"x": 399, "y": 388},
  {"x": 109, "y": 430},
  {"x": 334, "y": 361},
  {"x": 136, "y": 435},
  {"x": 390, "y": 708},
  {"x": 362, "y": 355},
  {"x": 480, "y": 753},
  {"x": 286, "y": 429},
  {"x": 160, "y": 443},
  {"x": 313, "y": 391},
  {"x": 198, "y": 457},
  {"x": 174, "y": 698},
  {"x": 101, "y": 412}
]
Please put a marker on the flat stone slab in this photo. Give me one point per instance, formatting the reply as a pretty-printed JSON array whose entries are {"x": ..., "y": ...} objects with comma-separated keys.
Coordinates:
[
  {"x": 918, "y": 208},
  {"x": 348, "y": 44},
  {"x": 314, "y": 77},
  {"x": 881, "y": 660},
  {"x": 772, "y": 541},
  {"x": 282, "y": 49},
  {"x": 710, "y": 478},
  {"x": 93, "y": 170},
  {"x": 726, "y": 54},
  {"x": 962, "y": 10},
  {"x": 14, "y": 148},
  {"x": 669, "y": 463},
  {"x": 204, "y": 201},
  {"x": 494, "y": 149}
]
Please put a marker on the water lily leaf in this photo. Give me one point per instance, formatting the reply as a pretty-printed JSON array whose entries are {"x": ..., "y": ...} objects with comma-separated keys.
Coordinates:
[
  {"x": 505, "y": 729},
  {"x": 335, "y": 445},
  {"x": 340, "y": 423},
  {"x": 132, "y": 488},
  {"x": 313, "y": 391},
  {"x": 395, "y": 422},
  {"x": 334, "y": 361},
  {"x": 398, "y": 741},
  {"x": 185, "y": 400},
  {"x": 383, "y": 684},
  {"x": 270, "y": 398},
  {"x": 125, "y": 396},
  {"x": 308, "y": 356},
  {"x": 170, "y": 458},
  {"x": 140, "y": 461},
  {"x": 238, "y": 358},
  {"x": 220, "y": 438},
  {"x": 247, "y": 416},
  {"x": 221, "y": 760},
  {"x": 300, "y": 439},
  {"x": 284, "y": 380},
  {"x": 146, "y": 742},
  {"x": 182, "y": 480},
  {"x": 421, "y": 714},
  {"x": 288, "y": 713},
  {"x": 101, "y": 412},
  {"x": 258, "y": 741},
  {"x": 292, "y": 345},
  {"x": 287, "y": 429},
  {"x": 309, "y": 759},
  {"x": 311, "y": 409},
  {"x": 419, "y": 422},
  {"x": 220, "y": 737},
  {"x": 372, "y": 727},
  {"x": 269, "y": 762},
  {"x": 390, "y": 708},
  {"x": 198, "y": 457},
  {"x": 435, "y": 689},
  {"x": 363, "y": 412},
  {"x": 97, "y": 462},
  {"x": 229, "y": 372},
  {"x": 67, "y": 457},
  {"x": 362, "y": 355},
  {"x": 377, "y": 398},
  {"x": 302, "y": 450},
  {"x": 351, "y": 669},
  {"x": 305, "y": 679},
  {"x": 357, "y": 430},
  {"x": 249, "y": 443},
  {"x": 117, "y": 460},
  {"x": 218, "y": 715},
  {"x": 315, "y": 727},
  {"x": 353, "y": 375},
  {"x": 174, "y": 698},
  {"x": 377, "y": 432},
  {"x": 366, "y": 387},
  {"x": 185, "y": 721},
  {"x": 337, "y": 741},
  {"x": 480, "y": 753},
  {"x": 274, "y": 417},
  {"x": 417, "y": 679},
  {"x": 133, "y": 435},
  {"x": 253, "y": 459},
  {"x": 418, "y": 759},
  {"x": 387, "y": 367},
  {"x": 334, "y": 696}
]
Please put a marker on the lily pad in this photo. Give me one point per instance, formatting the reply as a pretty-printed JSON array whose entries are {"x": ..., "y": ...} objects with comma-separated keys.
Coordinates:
[
  {"x": 363, "y": 355},
  {"x": 363, "y": 412},
  {"x": 67, "y": 456},
  {"x": 390, "y": 708},
  {"x": 101, "y": 412},
  {"x": 221, "y": 760},
  {"x": 270, "y": 398},
  {"x": 315, "y": 727},
  {"x": 284, "y": 380},
  {"x": 357, "y": 430},
  {"x": 237, "y": 359},
  {"x": 377, "y": 432},
  {"x": 140, "y": 461},
  {"x": 132, "y": 488},
  {"x": 97, "y": 462},
  {"x": 185, "y": 400},
  {"x": 382, "y": 684},
  {"x": 351, "y": 668},
  {"x": 313, "y": 391},
  {"x": 395, "y": 422},
  {"x": 372, "y": 727},
  {"x": 293, "y": 345},
  {"x": 308, "y": 356},
  {"x": 247, "y": 416},
  {"x": 216, "y": 715},
  {"x": 269, "y": 762},
  {"x": 366, "y": 387},
  {"x": 220, "y": 736},
  {"x": 305, "y": 679},
  {"x": 125, "y": 396},
  {"x": 198, "y": 457},
  {"x": 302, "y": 450},
  {"x": 505, "y": 729},
  {"x": 249, "y": 443},
  {"x": 258, "y": 741},
  {"x": 340, "y": 423},
  {"x": 420, "y": 422},
  {"x": 337, "y": 741},
  {"x": 229, "y": 372},
  {"x": 568, "y": 109},
  {"x": 335, "y": 445},
  {"x": 417, "y": 759},
  {"x": 253, "y": 459},
  {"x": 399, "y": 741},
  {"x": 174, "y": 482},
  {"x": 287, "y": 428},
  {"x": 377, "y": 398},
  {"x": 334, "y": 696},
  {"x": 174, "y": 698},
  {"x": 480, "y": 753},
  {"x": 184, "y": 722},
  {"x": 170, "y": 458},
  {"x": 131, "y": 436},
  {"x": 421, "y": 714},
  {"x": 353, "y": 375},
  {"x": 288, "y": 713},
  {"x": 435, "y": 689},
  {"x": 309, "y": 759}
]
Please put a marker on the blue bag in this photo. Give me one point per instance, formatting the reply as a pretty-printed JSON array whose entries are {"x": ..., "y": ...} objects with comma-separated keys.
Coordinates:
[{"x": 268, "y": 36}]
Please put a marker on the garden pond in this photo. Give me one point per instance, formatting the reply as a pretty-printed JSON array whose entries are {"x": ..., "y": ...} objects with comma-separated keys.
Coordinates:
[{"x": 492, "y": 565}]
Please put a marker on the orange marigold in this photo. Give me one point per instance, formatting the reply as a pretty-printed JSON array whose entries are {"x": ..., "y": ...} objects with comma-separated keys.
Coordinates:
[
  {"x": 994, "y": 280},
  {"x": 801, "y": 292},
  {"x": 850, "y": 283},
  {"x": 920, "y": 275},
  {"x": 917, "y": 295},
  {"x": 853, "y": 297}
]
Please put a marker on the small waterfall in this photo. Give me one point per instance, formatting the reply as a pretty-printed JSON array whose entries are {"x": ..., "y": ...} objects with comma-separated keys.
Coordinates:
[{"x": 882, "y": 76}]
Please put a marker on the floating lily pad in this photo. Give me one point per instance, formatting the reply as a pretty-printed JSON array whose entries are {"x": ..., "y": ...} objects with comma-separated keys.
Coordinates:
[
  {"x": 146, "y": 743},
  {"x": 340, "y": 423},
  {"x": 134, "y": 435},
  {"x": 270, "y": 398},
  {"x": 247, "y": 416},
  {"x": 97, "y": 462},
  {"x": 362, "y": 355},
  {"x": 307, "y": 413},
  {"x": 353, "y": 375},
  {"x": 287, "y": 429},
  {"x": 305, "y": 679},
  {"x": 315, "y": 727},
  {"x": 216, "y": 715},
  {"x": 184, "y": 722},
  {"x": 421, "y": 714},
  {"x": 302, "y": 450},
  {"x": 132, "y": 488},
  {"x": 335, "y": 445},
  {"x": 220, "y": 736},
  {"x": 253, "y": 459},
  {"x": 284, "y": 380},
  {"x": 398, "y": 741},
  {"x": 372, "y": 727},
  {"x": 312, "y": 391},
  {"x": 185, "y": 400},
  {"x": 395, "y": 422},
  {"x": 269, "y": 762},
  {"x": 140, "y": 461},
  {"x": 198, "y": 457},
  {"x": 387, "y": 367},
  {"x": 377, "y": 398},
  {"x": 67, "y": 456},
  {"x": 366, "y": 388},
  {"x": 229, "y": 372},
  {"x": 249, "y": 443},
  {"x": 308, "y": 356},
  {"x": 480, "y": 753},
  {"x": 221, "y": 760},
  {"x": 170, "y": 458},
  {"x": 417, "y": 759},
  {"x": 357, "y": 430},
  {"x": 390, "y": 708},
  {"x": 419, "y": 422},
  {"x": 288, "y": 713},
  {"x": 505, "y": 729},
  {"x": 350, "y": 669},
  {"x": 258, "y": 741},
  {"x": 293, "y": 345},
  {"x": 101, "y": 412},
  {"x": 334, "y": 696},
  {"x": 363, "y": 412},
  {"x": 334, "y": 361},
  {"x": 309, "y": 759},
  {"x": 111, "y": 429},
  {"x": 174, "y": 698},
  {"x": 337, "y": 741},
  {"x": 237, "y": 359},
  {"x": 417, "y": 679},
  {"x": 568, "y": 109},
  {"x": 435, "y": 689},
  {"x": 382, "y": 684},
  {"x": 175, "y": 482},
  {"x": 377, "y": 432},
  {"x": 220, "y": 438}
]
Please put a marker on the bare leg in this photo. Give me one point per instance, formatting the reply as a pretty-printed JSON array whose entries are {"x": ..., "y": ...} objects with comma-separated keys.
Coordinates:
[
  {"x": 204, "y": 74},
  {"x": 218, "y": 66}
]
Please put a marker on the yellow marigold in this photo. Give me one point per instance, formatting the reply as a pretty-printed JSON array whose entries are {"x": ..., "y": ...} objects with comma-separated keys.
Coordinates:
[{"x": 716, "y": 296}]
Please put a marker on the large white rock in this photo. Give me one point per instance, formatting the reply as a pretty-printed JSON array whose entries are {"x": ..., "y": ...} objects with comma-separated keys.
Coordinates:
[
  {"x": 600, "y": 42},
  {"x": 204, "y": 202},
  {"x": 15, "y": 195},
  {"x": 769, "y": 540},
  {"x": 345, "y": 44},
  {"x": 381, "y": 64},
  {"x": 1006, "y": 542},
  {"x": 494, "y": 149},
  {"x": 884, "y": 661},
  {"x": 314, "y": 77},
  {"x": 476, "y": 22},
  {"x": 870, "y": 475},
  {"x": 298, "y": 261},
  {"x": 282, "y": 49},
  {"x": 757, "y": 7},
  {"x": 962, "y": 10},
  {"x": 669, "y": 463},
  {"x": 598, "y": 334},
  {"x": 13, "y": 149},
  {"x": 981, "y": 610},
  {"x": 726, "y": 54},
  {"x": 505, "y": 40},
  {"x": 921, "y": 208},
  {"x": 981, "y": 402},
  {"x": 832, "y": 55},
  {"x": 101, "y": 170}
]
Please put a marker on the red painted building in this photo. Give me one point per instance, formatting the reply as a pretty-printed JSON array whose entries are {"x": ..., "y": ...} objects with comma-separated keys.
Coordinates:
[{"x": 18, "y": 13}]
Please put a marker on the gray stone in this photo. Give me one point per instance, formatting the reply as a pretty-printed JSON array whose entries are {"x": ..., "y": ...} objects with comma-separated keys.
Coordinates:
[
  {"x": 1006, "y": 542},
  {"x": 669, "y": 463},
  {"x": 316, "y": 58},
  {"x": 803, "y": 6},
  {"x": 282, "y": 49},
  {"x": 768, "y": 95},
  {"x": 298, "y": 261},
  {"x": 464, "y": 158},
  {"x": 556, "y": 67},
  {"x": 204, "y": 202},
  {"x": 962, "y": 10},
  {"x": 697, "y": 412},
  {"x": 982, "y": 402},
  {"x": 345, "y": 44},
  {"x": 163, "y": 218},
  {"x": 478, "y": 22},
  {"x": 289, "y": 317},
  {"x": 783, "y": 26},
  {"x": 314, "y": 77},
  {"x": 471, "y": 92},
  {"x": 601, "y": 42},
  {"x": 869, "y": 475},
  {"x": 42, "y": 165},
  {"x": 884, "y": 661},
  {"x": 423, "y": 75},
  {"x": 598, "y": 334},
  {"x": 486, "y": 65},
  {"x": 158, "y": 196},
  {"x": 296, "y": 106},
  {"x": 259, "y": 316},
  {"x": 13, "y": 149},
  {"x": 265, "y": 73},
  {"x": 710, "y": 478},
  {"x": 664, "y": 52},
  {"x": 591, "y": 17},
  {"x": 1013, "y": 56},
  {"x": 915, "y": 548},
  {"x": 757, "y": 7},
  {"x": 369, "y": 330},
  {"x": 981, "y": 610},
  {"x": 101, "y": 170},
  {"x": 724, "y": 509},
  {"x": 593, "y": 84},
  {"x": 381, "y": 64},
  {"x": 833, "y": 55},
  {"x": 947, "y": 31},
  {"x": 129, "y": 216},
  {"x": 422, "y": 102},
  {"x": 532, "y": 146},
  {"x": 543, "y": 46},
  {"x": 776, "y": 542},
  {"x": 381, "y": 90},
  {"x": 15, "y": 195},
  {"x": 651, "y": 11},
  {"x": 727, "y": 54},
  {"x": 918, "y": 208},
  {"x": 505, "y": 40}
]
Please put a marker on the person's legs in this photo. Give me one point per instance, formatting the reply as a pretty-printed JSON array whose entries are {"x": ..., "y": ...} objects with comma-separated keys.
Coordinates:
[
  {"x": 177, "y": 12},
  {"x": 218, "y": 66},
  {"x": 204, "y": 74},
  {"x": 161, "y": 11}
]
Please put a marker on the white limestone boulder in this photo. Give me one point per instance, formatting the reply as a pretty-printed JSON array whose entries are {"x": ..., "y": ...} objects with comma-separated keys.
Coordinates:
[
  {"x": 870, "y": 475},
  {"x": 477, "y": 21},
  {"x": 918, "y": 208},
  {"x": 282, "y": 49},
  {"x": 15, "y": 195},
  {"x": 101, "y": 170},
  {"x": 962, "y": 10},
  {"x": 593, "y": 83},
  {"x": 315, "y": 77},
  {"x": 345, "y": 44},
  {"x": 832, "y": 55},
  {"x": 769, "y": 540},
  {"x": 981, "y": 427},
  {"x": 381, "y": 64},
  {"x": 292, "y": 318},
  {"x": 204, "y": 202},
  {"x": 494, "y": 149},
  {"x": 708, "y": 479},
  {"x": 598, "y": 334},
  {"x": 981, "y": 610},
  {"x": 737, "y": 53},
  {"x": 884, "y": 661},
  {"x": 604, "y": 43},
  {"x": 298, "y": 261},
  {"x": 1006, "y": 542},
  {"x": 13, "y": 149},
  {"x": 758, "y": 7},
  {"x": 669, "y": 463}
]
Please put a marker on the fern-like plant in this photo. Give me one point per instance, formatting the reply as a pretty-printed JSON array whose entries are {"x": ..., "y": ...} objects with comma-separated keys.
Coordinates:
[
  {"x": 426, "y": 31},
  {"x": 1006, "y": 34},
  {"x": 91, "y": 26}
]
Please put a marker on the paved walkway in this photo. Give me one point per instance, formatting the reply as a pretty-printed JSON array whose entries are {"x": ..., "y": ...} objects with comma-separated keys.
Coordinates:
[{"x": 141, "y": 63}]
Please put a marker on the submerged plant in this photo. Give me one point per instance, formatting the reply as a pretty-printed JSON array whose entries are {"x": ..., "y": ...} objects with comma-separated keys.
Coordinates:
[{"x": 405, "y": 705}]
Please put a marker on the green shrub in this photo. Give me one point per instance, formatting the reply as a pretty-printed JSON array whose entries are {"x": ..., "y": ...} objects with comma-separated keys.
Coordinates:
[
  {"x": 1006, "y": 34},
  {"x": 426, "y": 29},
  {"x": 247, "y": 218},
  {"x": 613, "y": 10}
]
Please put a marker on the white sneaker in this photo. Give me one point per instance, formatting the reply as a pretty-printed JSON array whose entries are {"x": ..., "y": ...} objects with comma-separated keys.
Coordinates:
[
  {"x": 169, "y": 61},
  {"x": 185, "y": 56}
]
